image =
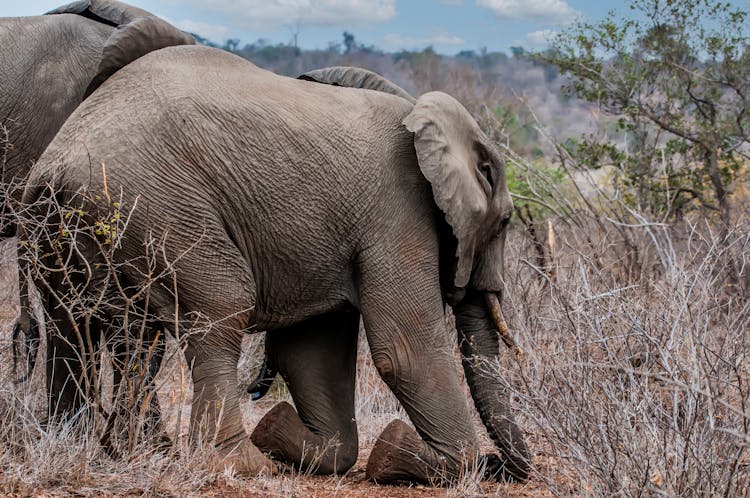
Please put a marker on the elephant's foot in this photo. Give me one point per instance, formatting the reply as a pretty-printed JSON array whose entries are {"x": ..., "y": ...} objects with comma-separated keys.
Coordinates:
[
  {"x": 246, "y": 459},
  {"x": 280, "y": 433},
  {"x": 283, "y": 435},
  {"x": 400, "y": 454}
]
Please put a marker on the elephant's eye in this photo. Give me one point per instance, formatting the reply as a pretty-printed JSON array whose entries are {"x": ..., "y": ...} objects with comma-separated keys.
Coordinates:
[
  {"x": 486, "y": 168},
  {"x": 505, "y": 220}
]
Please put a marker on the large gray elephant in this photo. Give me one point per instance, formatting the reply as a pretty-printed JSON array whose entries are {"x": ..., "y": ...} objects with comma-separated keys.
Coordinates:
[
  {"x": 50, "y": 63},
  {"x": 298, "y": 207}
]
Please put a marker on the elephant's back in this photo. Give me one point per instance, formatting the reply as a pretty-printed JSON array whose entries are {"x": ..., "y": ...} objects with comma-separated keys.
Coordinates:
[
  {"x": 230, "y": 83},
  {"x": 214, "y": 111},
  {"x": 48, "y": 37}
]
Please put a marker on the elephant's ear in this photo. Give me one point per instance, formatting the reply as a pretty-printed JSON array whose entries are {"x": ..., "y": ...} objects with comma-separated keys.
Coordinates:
[
  {"x": 445, "y": 140},
  {"x": 355, "y": 77},
  {"x": 133, "y": 40},
  {"x": 108, "y": 12}
]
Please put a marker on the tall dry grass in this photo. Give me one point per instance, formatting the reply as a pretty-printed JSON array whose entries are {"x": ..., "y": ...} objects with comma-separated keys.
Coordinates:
[
  {"x": 633, "y": 382},
  {"x": 641, "y": 386}
]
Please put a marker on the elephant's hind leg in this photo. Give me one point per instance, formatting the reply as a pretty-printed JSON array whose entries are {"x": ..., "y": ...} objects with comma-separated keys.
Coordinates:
[
  {"x": 71, "y": 366},
  {"x": 215, "y": 413},
  {"x": 317, "y": 359},
  {"x": 135, "y": 366},
  {"x": 216, "y": 299}
]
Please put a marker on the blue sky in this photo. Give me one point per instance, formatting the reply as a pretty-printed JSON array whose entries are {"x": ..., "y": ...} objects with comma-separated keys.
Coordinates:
[{"x": 448, "y": 25}]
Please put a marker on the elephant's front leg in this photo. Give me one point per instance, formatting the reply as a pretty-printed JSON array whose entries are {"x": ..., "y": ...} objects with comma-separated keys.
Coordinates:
[
  {"x": 317, "y": 359},
  {"x": 404, "y": 318},
  {"x": 215, "y": 414}
]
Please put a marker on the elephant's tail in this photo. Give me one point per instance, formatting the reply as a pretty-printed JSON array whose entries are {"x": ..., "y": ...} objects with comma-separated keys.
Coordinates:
[
  {"x": 41, "y": 182},
  {"x": 262, "y": 383},
  {"x": 26, "y": 325}
]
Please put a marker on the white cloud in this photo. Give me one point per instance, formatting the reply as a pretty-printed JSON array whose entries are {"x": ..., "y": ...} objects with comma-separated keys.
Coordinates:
[
  {"x": 273, "y": 13},
  {"x": 397, "y": 41},
  {"x": 548, "y": 11},
  {"x": 541, "y": 38},
  {"x": 214, "y": 32}
]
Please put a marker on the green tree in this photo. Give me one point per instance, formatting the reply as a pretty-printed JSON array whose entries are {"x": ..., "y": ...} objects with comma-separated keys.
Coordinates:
[
  {"x": 350, "y": 45},
  {"x": 674, "y": 76},
  {"x": 232, "y": 44}
]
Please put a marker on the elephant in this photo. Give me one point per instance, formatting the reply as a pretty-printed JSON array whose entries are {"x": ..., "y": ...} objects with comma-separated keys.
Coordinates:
[
  {"x": 298, "y": 207},
  {"x": 52, "y": 62},
  {"x": 347, "y": 76}
]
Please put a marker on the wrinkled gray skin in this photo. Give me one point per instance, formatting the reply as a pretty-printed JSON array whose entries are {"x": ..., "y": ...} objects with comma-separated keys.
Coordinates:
[
  {"x": 305, "y": 207},
  {"x": 49, "y": 64}
]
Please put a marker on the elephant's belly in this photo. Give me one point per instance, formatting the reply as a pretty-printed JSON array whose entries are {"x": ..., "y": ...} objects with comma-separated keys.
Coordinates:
[{"x": 292, "y": 297}]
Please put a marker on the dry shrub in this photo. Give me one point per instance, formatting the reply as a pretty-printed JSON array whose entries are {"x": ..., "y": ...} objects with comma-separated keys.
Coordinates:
[{"x": 638, "y": 385}]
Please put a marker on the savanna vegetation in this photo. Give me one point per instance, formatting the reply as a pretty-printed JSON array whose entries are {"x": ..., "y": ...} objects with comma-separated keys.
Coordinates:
[{"x": 627, "y": 279}]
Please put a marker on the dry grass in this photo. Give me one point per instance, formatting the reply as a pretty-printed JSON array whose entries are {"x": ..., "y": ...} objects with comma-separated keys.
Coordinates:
[
  {"x": 629, "y": 386},
  {"x": 637, "y": 387}
]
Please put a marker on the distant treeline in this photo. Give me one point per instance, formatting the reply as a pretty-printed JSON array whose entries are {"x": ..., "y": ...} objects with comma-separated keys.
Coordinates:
[
  {"x": 506, "y": 86},
  {"x": 288, "y": 59}
]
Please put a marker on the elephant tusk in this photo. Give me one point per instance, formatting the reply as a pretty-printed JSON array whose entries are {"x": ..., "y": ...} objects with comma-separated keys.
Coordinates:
[{"x": 493, "y": 305}]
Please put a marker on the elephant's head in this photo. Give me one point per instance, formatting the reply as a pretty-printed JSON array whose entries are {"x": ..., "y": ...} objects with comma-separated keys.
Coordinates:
[
  {"x": 355, "y": 77},
  {"x": 467, "y": 175}
]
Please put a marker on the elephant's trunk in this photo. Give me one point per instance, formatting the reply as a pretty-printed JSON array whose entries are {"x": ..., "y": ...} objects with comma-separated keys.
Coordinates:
[{"x": 479, "y": 343}]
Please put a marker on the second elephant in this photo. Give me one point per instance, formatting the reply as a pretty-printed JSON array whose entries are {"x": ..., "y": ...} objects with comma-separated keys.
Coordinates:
[{"x": 50, "y": 63}]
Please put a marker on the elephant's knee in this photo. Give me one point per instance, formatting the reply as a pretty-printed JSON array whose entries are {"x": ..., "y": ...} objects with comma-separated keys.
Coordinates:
[
  {"x": 398, "y": 370},
  {"x": 386, "y": 367}
]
